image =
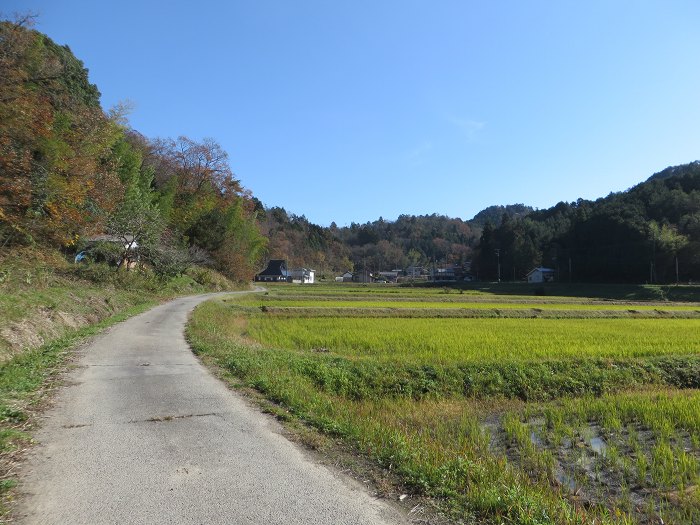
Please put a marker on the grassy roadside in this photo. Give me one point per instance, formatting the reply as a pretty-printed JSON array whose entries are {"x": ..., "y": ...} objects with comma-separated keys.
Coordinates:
[
  {"x": 43, "y": 295},
  {"x": 48, "y": 307}
]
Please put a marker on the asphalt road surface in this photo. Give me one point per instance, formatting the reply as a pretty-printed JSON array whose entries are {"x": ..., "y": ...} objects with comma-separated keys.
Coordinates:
[{"x": 142, "y": 433}]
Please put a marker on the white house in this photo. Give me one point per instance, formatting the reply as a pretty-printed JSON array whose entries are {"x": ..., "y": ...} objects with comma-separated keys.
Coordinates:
[
  {"x": 540, "y": 275},
  {"x": 302, "y": 275}
]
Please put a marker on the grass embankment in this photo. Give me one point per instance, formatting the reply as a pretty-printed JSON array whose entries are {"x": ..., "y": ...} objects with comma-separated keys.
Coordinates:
[
  {"x": 47, "y": 306},
  {"x": 526, "y": 421}
]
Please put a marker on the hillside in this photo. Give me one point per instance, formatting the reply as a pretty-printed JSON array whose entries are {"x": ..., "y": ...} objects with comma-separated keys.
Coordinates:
[
  {"x": 649, "y": 233},
  {"x": 44, "y": 297},
  {"x": 70, "y": 171},
  {"x": 637, "y": 236},
  {"x": 495, "y": 214}
]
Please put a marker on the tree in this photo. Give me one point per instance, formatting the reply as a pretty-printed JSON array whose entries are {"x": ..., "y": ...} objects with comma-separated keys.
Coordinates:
[
  {"x": 138, "y": 226},
  {"x": 668, "y": 240},
  {"x": 196, "y": 165},
  {"x": 55, "y": 142}
]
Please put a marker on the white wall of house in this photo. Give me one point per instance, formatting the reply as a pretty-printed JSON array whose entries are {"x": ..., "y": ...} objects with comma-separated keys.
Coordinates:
[
  {"x": 302, "y": 275},
  {"x": 540, "y": 275},
  {"x": 535, "y": 277}
]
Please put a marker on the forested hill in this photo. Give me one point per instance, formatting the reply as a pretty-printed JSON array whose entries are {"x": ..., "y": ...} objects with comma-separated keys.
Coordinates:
[
  {"x": 639, "y": 235},
  {"x": 687, "y": 169},
  {"x": 495, "y": 214},
  {"x": 377, "y": 245},
  {"x": 649, "y": 233},
  {"x": 70, "y": 171}
]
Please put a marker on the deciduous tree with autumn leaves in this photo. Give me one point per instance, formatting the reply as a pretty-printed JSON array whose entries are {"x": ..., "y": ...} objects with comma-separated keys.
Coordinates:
[{"x": 69, "y": 170}]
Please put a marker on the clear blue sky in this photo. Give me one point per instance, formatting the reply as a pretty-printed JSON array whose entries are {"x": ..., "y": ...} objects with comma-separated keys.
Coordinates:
[{"x": 350, "y": 110}]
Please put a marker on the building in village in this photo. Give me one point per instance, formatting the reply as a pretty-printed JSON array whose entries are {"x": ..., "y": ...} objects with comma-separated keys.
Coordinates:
[
  {"x": 415, "y": 272},
  {"x": 302, "y": 275},
  {"x": 275, "y": 272},
  {"x": 540, "y": 275},
  {"x": 389, "y": 277},
  {"x": 124, "y": 245},
  {"x": 363, "y": 276},
  {"x": 345, "y": 278},
  {"x": 449, "y": 273}
]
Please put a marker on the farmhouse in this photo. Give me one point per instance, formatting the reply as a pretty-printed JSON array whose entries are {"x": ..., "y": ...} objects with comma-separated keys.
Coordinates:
[
  {"x": 125, "y": 245},
  {"x": 276, "y": 271},
  {"x": 415, "y": 271},
  {"x": 363, "y": 276},
  {"x": 540, "y": 275},
  {"x": 444, "y": 274},
  {"x": 302, "y": 275},
  {"x": 390, "y": 277},
  {"x": 345, "y": 278}
]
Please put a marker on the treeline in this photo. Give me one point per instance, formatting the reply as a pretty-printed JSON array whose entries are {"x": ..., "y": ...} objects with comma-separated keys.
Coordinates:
[
  {"x": 377, "y": 245},
  {"x": 302, "y": 243},
  {"x": 410, "y": 240},
  {"x": 69, "y": 170},
  {"x": 650, "y": 233}
]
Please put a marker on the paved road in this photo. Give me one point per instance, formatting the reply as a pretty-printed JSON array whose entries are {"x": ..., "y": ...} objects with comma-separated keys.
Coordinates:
[{"x": 142, "y": 433}]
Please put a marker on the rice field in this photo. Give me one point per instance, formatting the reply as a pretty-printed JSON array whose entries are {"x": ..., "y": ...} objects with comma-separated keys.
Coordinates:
[
  {"x": 467, "y": 303},
  {"x": 479, "y": 340},
  {"x": 501, "y": 420}
]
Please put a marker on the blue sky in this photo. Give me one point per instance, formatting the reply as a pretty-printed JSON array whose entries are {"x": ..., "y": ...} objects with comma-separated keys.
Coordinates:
[{"x": 347, "y": 111}]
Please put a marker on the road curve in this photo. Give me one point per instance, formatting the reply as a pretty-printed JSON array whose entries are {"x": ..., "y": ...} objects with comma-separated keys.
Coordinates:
[{"x": 143, "y": 434}]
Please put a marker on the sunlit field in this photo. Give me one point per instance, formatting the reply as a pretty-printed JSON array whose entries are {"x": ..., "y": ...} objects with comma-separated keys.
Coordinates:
[
  {"x": 479, "y": 340},
  {"x": 579, "y": 418}
]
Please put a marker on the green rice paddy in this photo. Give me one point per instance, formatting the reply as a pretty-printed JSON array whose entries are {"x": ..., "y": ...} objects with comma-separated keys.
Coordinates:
[
  {"x": 514, "y": 419},
  {"x": 480, "y": 340},
  {"x": 466, "y": 303}
]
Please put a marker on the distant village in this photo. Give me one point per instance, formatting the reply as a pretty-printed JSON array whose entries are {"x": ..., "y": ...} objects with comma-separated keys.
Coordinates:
[{"x": 277, "y": 271}]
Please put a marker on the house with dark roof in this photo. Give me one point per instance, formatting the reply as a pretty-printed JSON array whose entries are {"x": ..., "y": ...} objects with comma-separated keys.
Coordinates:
[
  {"x": 275, "y": 272},
  {"x": 363, "y": 276}
]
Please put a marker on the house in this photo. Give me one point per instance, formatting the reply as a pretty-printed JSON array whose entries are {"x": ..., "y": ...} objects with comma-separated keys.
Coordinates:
[
  {"x": 346, "y": 277},
  {"x": 363, "y": 276},
  {"x": 122, "y": 246},
  {"x": 414, "y": 271},
  {"x": 444, "y": 274},
  {"x": 540, "y": 275},
  {"x": 275, "y": 272},
  {"x": 302, "y": 275},
  {"x": 448, "y": 273},
  {"x": 390, "y": 277}
]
